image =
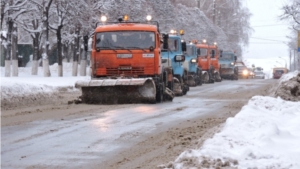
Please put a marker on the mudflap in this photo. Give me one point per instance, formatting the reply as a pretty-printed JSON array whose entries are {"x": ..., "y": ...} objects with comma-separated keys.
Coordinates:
[
  {"x": 191, "y": 80},
  {"x": 118, "y": 91},
  {"x": 169, "y": 94},
  {"x": 218, "y": 77},
  {"x": 177, "y": 87}
]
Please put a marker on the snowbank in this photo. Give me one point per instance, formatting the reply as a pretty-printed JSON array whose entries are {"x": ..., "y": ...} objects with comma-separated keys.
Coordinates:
[
  {"x": 27, "y": 89},
  {"x": 264, "y": 134}
]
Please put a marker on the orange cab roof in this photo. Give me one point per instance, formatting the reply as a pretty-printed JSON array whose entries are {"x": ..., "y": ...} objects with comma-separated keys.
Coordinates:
[
  {"x": 202, "y": 45},
  {"x": 126, "y": 26}
]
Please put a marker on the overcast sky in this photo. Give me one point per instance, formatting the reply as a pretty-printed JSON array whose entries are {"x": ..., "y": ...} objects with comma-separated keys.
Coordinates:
[{"x": 266, "y": 24}]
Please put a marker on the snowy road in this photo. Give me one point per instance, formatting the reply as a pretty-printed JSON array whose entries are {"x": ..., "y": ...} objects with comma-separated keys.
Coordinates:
[{"x": 115, "y": 136}]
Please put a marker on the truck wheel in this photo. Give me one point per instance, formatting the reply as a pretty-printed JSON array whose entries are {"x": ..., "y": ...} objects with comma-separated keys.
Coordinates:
[
  {"x": 199, "y": 77},
  {"x": 160, "y": 94}
]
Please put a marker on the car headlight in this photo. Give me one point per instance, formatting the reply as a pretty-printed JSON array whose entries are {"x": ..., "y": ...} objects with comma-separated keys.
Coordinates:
[{"x": 245, "y": 72}]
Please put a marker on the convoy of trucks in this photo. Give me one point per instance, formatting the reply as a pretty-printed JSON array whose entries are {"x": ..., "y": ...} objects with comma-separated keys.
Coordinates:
[{"x": 133, "y": 62}]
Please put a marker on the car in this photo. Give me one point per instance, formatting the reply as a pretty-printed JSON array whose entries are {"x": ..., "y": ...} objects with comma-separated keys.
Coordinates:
[
  {"x": 243, "y": 71},
  {"x": 251, "y": 73},
  {"x": 259, "y": 75}
]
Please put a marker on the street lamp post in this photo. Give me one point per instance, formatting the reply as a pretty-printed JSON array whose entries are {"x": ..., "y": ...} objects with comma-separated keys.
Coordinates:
[{"x": 284, "y": 60}]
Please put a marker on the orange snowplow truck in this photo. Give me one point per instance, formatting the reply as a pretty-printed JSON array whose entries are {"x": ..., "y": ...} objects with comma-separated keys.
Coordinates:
[
  {"x": 126, "y": 65},
  {"x": 215, "y": 53},
  {"x": 207, "y": 56}
]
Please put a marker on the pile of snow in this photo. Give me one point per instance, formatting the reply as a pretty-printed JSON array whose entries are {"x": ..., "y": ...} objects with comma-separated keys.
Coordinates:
[
  {"x": 289, "y": 87},
  {"x": 264, "y": 134},
  {"x": 27, "y": 89}
]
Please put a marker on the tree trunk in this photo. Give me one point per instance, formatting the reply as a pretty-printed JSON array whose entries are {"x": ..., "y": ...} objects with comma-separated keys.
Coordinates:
[
  {"x": 45, "y": 54},
  {"x": 8, "y": 53},
  {"x": 76, "y": 53},
  {"x": 59, "y": 51},
  {"x": 14, "y": 51},
  {"x": 65, "y": 52},
  {"x": 35, "y": 54},
  {"x": 83, "y": 54}
]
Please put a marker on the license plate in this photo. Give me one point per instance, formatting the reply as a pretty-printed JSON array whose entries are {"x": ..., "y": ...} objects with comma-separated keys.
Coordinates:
[
  {"x": 124, "y": 55},
  {"x": 125, "y": 68},
  {"x": 148, "y": 55}
]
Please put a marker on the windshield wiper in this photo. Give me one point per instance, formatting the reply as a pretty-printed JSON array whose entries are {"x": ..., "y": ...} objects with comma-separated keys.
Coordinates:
[
  {"x": 138, "y": 48},
  {"x": 107, "y": 47},
  {"x": 123, "y": 48}
]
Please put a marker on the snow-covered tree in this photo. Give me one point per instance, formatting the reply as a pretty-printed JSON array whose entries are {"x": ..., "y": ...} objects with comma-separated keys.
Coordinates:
[
  {"x": 291, "y": 12},
  {"x": 46, "y": 4},
  {"x": 11, "y": 10}
]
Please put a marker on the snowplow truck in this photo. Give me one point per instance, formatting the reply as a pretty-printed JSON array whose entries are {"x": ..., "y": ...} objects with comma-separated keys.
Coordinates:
[
  {"x": 190, "y": 64},
  {"x": 227, "y": 62},
  {"x": 126, "y": 65},
  {"x": 214, "y": 54},
  {"x": 173, "y": 56},
  {"x": 204, "y": 61}
]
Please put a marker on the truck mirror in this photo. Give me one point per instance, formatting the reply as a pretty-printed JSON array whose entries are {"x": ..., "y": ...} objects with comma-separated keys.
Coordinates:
[
  {"x": 165, "y": 41},
  {"x": 253, "y": 65},
  {"x": 85, "y": 42},
  {"x": 198, "y": 51},
  {"x": 221, "y": 52},
  {"x": 183, "y": 46},
  {"x": 235, "y": 58},
  {"x": 213, "y": 53}
]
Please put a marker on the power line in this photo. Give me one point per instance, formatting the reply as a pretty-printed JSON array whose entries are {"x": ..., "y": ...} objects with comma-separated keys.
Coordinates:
[
  {"x": 269, "y": 39},
  {"x": 268, "y": 25}
]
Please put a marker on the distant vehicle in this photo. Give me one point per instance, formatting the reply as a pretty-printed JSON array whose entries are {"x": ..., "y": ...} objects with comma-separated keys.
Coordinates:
[
  {"x": 259, "y": 75},
  {"x": 278, "y": 72},
  {"x": 227, "y": 63},
  {"x": 251, "y": 73},
  {"x": 243, "y": 71}
]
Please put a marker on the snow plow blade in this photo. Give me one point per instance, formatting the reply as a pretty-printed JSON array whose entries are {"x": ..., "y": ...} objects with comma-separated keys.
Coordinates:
[{"x": 117, "y": 91}]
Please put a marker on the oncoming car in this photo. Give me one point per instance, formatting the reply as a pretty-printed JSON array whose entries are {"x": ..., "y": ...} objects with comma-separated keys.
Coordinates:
[
  {"x": 251, "y": 73},
  {"x": 243, "y": 71}
]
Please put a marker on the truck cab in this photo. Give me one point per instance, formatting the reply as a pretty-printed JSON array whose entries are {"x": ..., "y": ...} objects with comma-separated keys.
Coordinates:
[
  {"x": 191, "y": 66},
  {"x": 204, "y": 62},
  {"x": 227, "y": 65},
  {"x": 175, "y": 57}
]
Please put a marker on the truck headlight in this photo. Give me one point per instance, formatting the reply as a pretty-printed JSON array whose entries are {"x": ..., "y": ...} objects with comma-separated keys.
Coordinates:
[
  {"x": 232, "y": 63},
  {"x": 194, "y": 60},
  {"x": 245, "y": 72}
]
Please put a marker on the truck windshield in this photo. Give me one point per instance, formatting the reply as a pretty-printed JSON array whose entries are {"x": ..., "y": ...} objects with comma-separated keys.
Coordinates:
[
  {"x": 226, "y": 57},
  {"x": 125, "y": 40},
  {"x": 190, "y": 50},
  {"x": 202, "y": 52}
]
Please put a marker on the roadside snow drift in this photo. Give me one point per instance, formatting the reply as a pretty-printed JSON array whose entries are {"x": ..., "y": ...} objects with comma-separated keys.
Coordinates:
[
  {"x": 28, "y": 89},
  {"x": 264, "y": 134}
]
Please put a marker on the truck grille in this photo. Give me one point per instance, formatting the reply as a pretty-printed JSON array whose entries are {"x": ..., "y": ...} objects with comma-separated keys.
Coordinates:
[{"x": 125, "y": 71}]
